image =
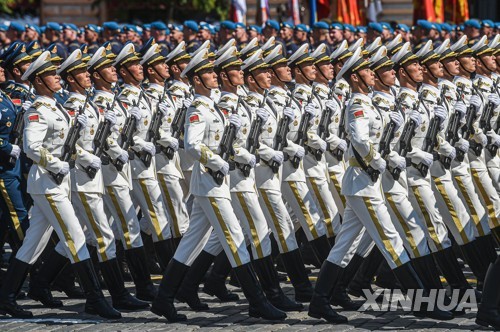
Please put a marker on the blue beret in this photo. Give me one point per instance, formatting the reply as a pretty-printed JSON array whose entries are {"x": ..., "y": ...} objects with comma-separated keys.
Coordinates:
[
  {"x": 17, "y": 26},
  {"x": 349, "y": 27},
  {"x": 403, "y": 27},
  {"x": 361, "y": 29},
  {"x": 321, "y": 25},
  {"x": 3, "y": 27},
  {"x": 32, "y": 27},
  {"x": 204, "y": 26},
  {"x": 191, "y": 25},
  {"x": 273, "y": 24},
  {"x": 488, "y": 23},
  {"x": 497, "y": 25},
  {"x": 254, "y": 27},
  {"x": 386, "y": 25},
  {"x": 175, "y": 27},
  {"x": 336, "y": 25},
  {"x": 53, "y": 26},
  {"x": 446, "y": 27},
  {"x": 287, "y": 25},
  {"x": 111, "y": 25},
  {"x": 43, "y": 28},
  {"x": 302, "y": 27},
  {"x": 473, "y": 24},
  {"x": 228, "y": 25},
  {"x": 428, "y": 25},
  {"x": 375, "y": 26},
  {"x": 70, "y": 26},
  {"x": 240, "y": 25},
  {"x": 92, "y": 27},
  {"x": 146, "y": 27},
  {"x": 158, "y": 25}
]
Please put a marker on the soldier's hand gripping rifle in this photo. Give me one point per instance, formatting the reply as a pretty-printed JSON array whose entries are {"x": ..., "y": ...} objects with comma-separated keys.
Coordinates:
[
  {"x": 492, "y": 148},
  {"x": 69, "y": 147},
  {"x": 405, "y": 143},
  {"x": 17, "y": 130},
  {"x": 453, "y": 126},
  {"x": 280, "y": 143},
  {"x": 102, "y": 134},
  {"x": 177, "y": 129},
  {"x": 342, "y": 133},
  {"x": 225, "y": 148},
  {"x": 324, "y": 123},
  {"x": 485, "y": 125},
  {"x": 468, "y": 128},
  {"x": 302, "y": 132},
  {"x": 127, "y": 134},
  {"x": 253, "y": 137},
  {"x": 153, "y": 133}
]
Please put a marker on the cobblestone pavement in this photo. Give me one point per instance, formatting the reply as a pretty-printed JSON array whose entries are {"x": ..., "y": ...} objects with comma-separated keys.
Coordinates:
[{"x": 221, "y": 316}]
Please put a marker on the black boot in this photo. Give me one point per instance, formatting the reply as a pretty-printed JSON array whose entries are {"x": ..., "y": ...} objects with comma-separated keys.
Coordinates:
[
  {"x": 96, "y": 303},
  {"x": 12, "y": 283},
  {"x": 65, "y": 282},
  {"x": 176, "y": 241},
  {"x": 487, "y": 246},
  {"x": 164, "y": 252},
  {"x": 477, "y": 261},
  {"x": 339, "y": 295},
  {"x": 153, "y": 266},
  {"x": 40, "y": 285},
  {"x": 163, "y": 305},
  {"x": 366, "y": 273},
  {"x": 215, "y": 284},
  {"x": 410, "y": 280},
  {"x": 122, "y": 261},
  {"x": 488, "y": 313},
  {"x": 268, "y": 277},
  {"x": 188, "y": 292},
  {"x": 385, "y": 277},
  {"x": 321, "y": 248},
  {"x": 259, "y": 305},
  {"x": 138, "y": 265},
  {"x": 496, "y": 234},
  {"x": 296, "y": 270},
  {"x": 320, "y": 304},
  {"x": 121, "y": 298}
]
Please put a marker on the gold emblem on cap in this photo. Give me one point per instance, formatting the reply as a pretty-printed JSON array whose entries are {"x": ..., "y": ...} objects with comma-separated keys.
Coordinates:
[
  {"x": 384, "y": 52},
  {"x": 205, "y": 55},
  {"x": 108, "y": 48},
  {"x": 35, "y": 46},
  {"x": 54, "y": 50},
  {"x": 78, "y": 56},
  {"x": 23, "y": 49},
  {"x": 85, "y": 49}
]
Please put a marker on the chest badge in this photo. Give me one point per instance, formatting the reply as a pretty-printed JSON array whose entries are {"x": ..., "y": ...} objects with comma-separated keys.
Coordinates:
[
  {"x": 217, "y": 137},
  {"x": 270, "y": 129},
  {"x": 8, "y": 124},
  {"x": 146, "y": 122}
]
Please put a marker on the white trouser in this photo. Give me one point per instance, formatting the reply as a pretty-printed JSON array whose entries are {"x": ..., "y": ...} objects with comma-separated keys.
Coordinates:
[
  {"x": 323, "y": 198},
  {"x": 174, "y": 198}
]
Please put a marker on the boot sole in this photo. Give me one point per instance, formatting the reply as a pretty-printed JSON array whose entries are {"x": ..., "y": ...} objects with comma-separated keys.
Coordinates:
[
  {"x": 320, "y": 316},
  {"x": 486, "y": 324},
  {"x": 94, "y": 312},
  {"x": 157, "y": 312},
  {"x": 259, "y": 315},
  {"x": 222, "y": 299},
  {"x": 6, "y": 312},
  {"x": 36, "y": 298}
]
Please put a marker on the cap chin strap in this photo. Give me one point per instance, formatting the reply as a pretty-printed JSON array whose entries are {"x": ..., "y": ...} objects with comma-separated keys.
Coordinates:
[
  {"x": 43, "y": 81},
  {"x": 481, "y": 59},
  {"x": 277, "y": 76},
  {"x": 303, "y": 74},
  {"x": 444, "y": 66},
  {"x": 105, "y": 80},
  {"x": 229, "y": 79},
  {"x": 409, "y": 76},
  {"x": 133, "y": 76},
  {"x": 203, "y": 83},
  {"x": 381, "y": 81},
  {"x": 470, "y": 72},
  {"x": 77, "y": 82},
  {"x": 430, "y": 71},
  {"x": 364, "y": 82},
  {"x": 321, "y": 72},
  {"x": 257, "y": 82}
]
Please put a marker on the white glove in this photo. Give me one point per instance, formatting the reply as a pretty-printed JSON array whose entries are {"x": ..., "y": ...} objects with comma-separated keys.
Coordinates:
[
  {"x": 427, "y": 159},
  {"x": 187, "y": 102},
  {"x": 322, "y": 145},
  {"x": 26, "y": 105},
  {"x": 263, "y": 114},
  {"x": 397, "y": 118},
  {"x": 330, "y": 104},
  {"x": 300, "y": 152},
  {"x": 163, "y": 107},
  {"x": 123, "y": 157},
  {"x": 495, "y": 139},
  {"x": 288, "y": 112},
  {"x": 342, "y": 145},
  {"x": 64, "y": 169},
  {"x": 95, "y": 163},
  {"x": 224, "y": 168},
  {"x": 135, "y": 112},
  {"x": 401, "y": 163},
  {"x": 476, "y": 102},
  {"x": 82, "y": 120},
  {"x": 460, "y": 109},
  {"x": 441, "y": 113},
  {"x": 174, "y": 144},
  {"x": 16, "y": 151},
  {"x": 481, "y": 139},
  {"x": 494, "y": 99},
  {"x": 111, "y": 117},
  {"x": 278, "y": 157},
  {"x": 382, "y": 164},
  {"x": 416, "y": 117},
  {"x": 463, "y": 145},
  {"x": 452, "y": 154},
  {"x": 252, "y": 161},
  {"x": 311, "y": 109},
  {"x": 235, "y": 120},
  {"x": 149, "y": 148}
]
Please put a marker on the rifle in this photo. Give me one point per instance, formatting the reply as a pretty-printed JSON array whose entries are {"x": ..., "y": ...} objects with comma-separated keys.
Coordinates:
[
  {"x": 253, "y": 137},
  {"x": 177, "y": 128},
  {"x": 17, "y": 130},
  {"x": 280, "y": 138},
  {"x": 342, "y": 134},
  {"x": 153, "y": 133},
  {"x": 127, "y": 134},
  {"x": 485, "y": 124},
  {"x": 302, "y": 133},
  {"x": 323, "y": 125},
  {"x": 102, "y": 134},
  {"x": 69, "y": 147},
  {"x": 452, "y": 130},
  {"x": 467, "y": 129},
  {"x": 405, "y": 143},
  {"x": 225, "y": 149},
  {"x": 491, "y": 147}
]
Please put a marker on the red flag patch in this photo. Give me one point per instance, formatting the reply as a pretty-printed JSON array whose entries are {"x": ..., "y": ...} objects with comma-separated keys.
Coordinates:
[
  {"x": 101, "y": 111},
  {"x": 194, "y": 118},
  {"x": 359, "y": 114},
  {"x": 33, "y": 118},
  {"x": 72, "y": 113},
  {"x": 17, "y": 102}
]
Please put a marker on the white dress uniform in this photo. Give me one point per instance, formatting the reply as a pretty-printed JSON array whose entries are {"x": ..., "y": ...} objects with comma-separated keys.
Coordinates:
[
  {"x": 493, "y": 162},
  {"x": 169, "y": 172}
]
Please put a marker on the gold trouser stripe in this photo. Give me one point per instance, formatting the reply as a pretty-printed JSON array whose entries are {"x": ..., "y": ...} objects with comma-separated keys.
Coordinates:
[
  {"x": 468, "y": 200},
  {"x": 95, "y": 227},
  {"x": 151, "y": 210},
  {"x": 427, "y": 218},
  {"x": 402, "y": 222},
  {"x": 253, "y": 229},
  {"x": 487, "y": 200},
  {"x": 387, "y": 243},
  {"x": 12, "y": 211},
  {"x": 171, "y": 209},
  {"x": 123, "y": 222},
  {"x": 67, "y": 236},
  {"x": 453, "y": 212},
  {"x": 322, "y": 205},
  {"x": 303, "y": 208},
  {"x": 227, "y": 235},
  {"x": 276, "y": 223},
  {"x": 336, "y": 184}
]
